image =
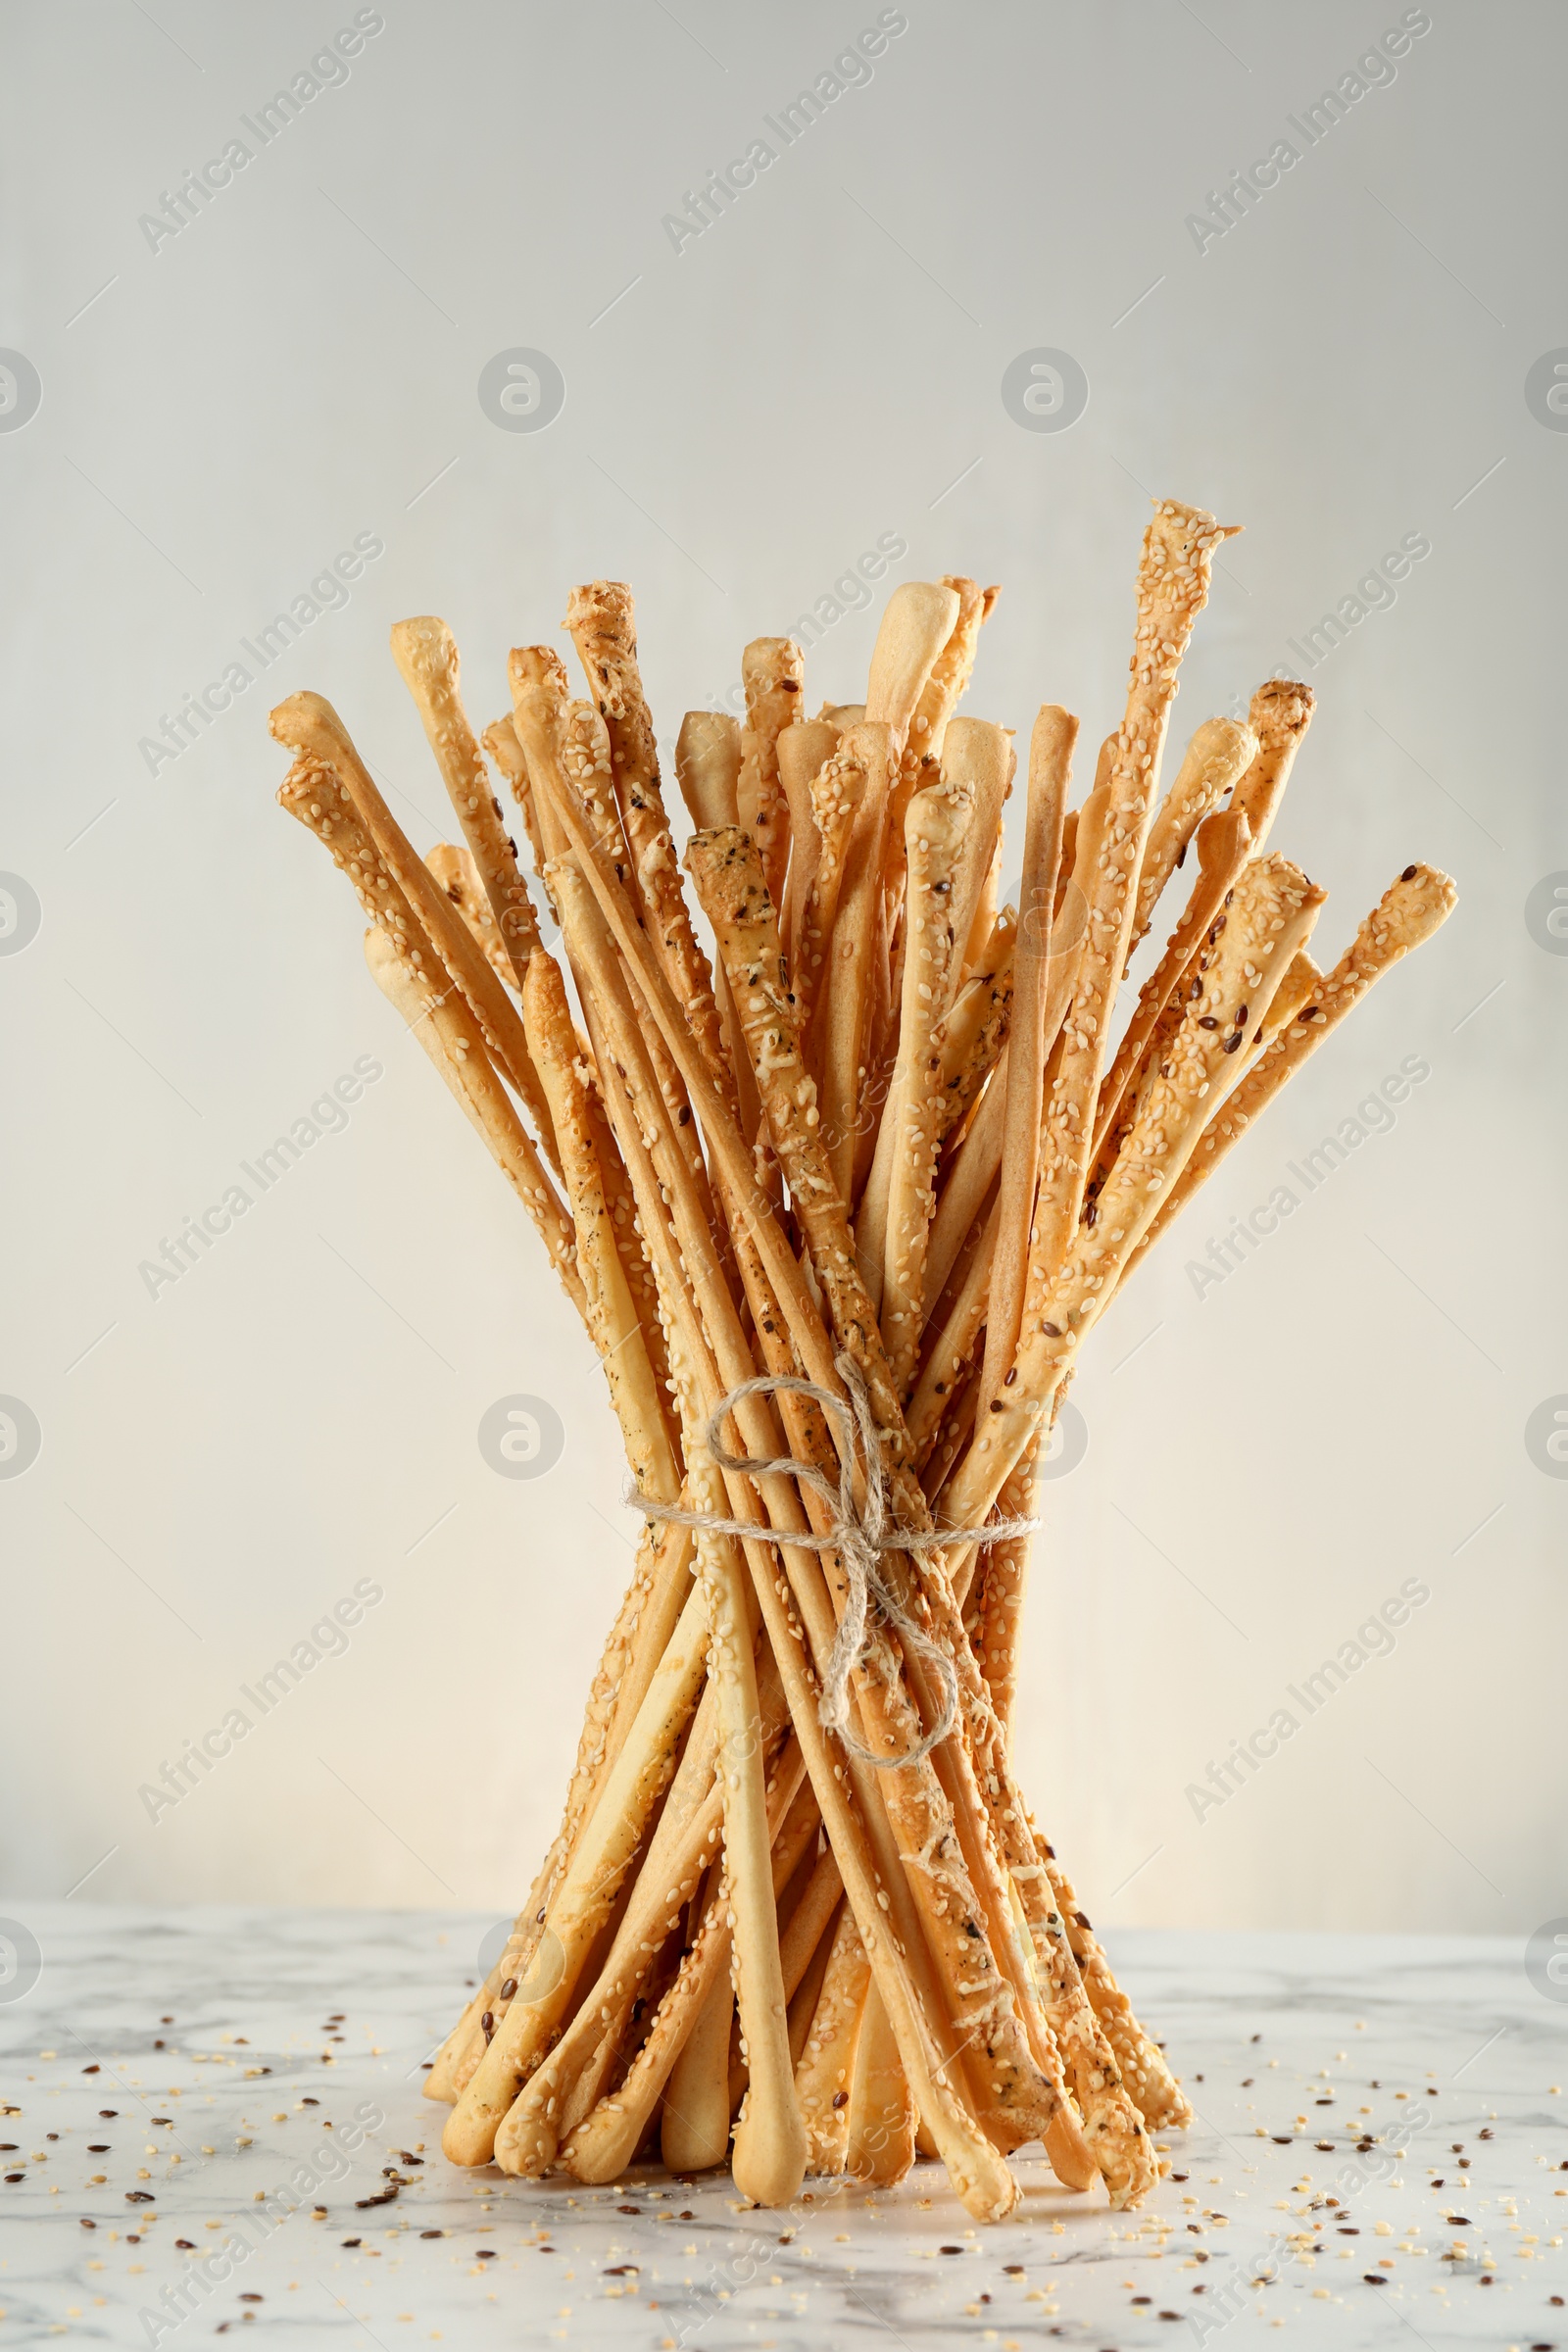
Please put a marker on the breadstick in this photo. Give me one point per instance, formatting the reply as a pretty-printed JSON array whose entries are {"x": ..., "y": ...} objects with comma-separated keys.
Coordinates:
[
  {"x": 803, "y": 751},
  {"x": 1007, "y": 1573},
  {"x": 307, "y": 723},
  {"x": 454, "y": 867},
  {"x": 1414, "y": 905},
  {"x": 794, "y": 1839},
  {"x": 952, "y": 667},
  {"x": 1051, "y": 750},
  {"x": 771, "y": 671},
  {"x": 970, "y": 1182},
  {"x": 426, "y": 656},
  {"x": 707, "y": 767},
  {"x": 836, "y": 791},
  {"x": 808, "y": 1992},
  {"x": 880, "y": 2147},
  {"x": 979, "y": 888},
  {"x": 1224, "y": 844},
  {"x": 600, "y": 618},
  {"x": 539, "y": 711},
  {"x": 974, "y": 1168},
  {"x": 1280, "y": 714},
  {"x": 952, "y": 1434},
  {"x": 842, "y": 999},
  {"x": 935, "y": 830},
  {"x": 769, "y": 2158},
  {"x": 825, "y": 2069},
  {"x": 694, "y": 2125},
  {"x": 974, "y": 1035},
  {"x": 500, "y": 740},
  {"x": 1173, "y": 588},
  {"x": 1155, "y": 2092},
  {"x": 1216, "y": 755},
  {"x": 970, "y": 784},
  {"x": 922, "y": 755},
  {"x": 810, "y": 1920},
  {"x": 612, "y": 1317},
  {"x": 916, "y": 625}
]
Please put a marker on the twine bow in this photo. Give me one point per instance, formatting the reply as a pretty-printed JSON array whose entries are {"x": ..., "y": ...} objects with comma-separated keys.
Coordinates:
[{"x": 860, "y": 1533}]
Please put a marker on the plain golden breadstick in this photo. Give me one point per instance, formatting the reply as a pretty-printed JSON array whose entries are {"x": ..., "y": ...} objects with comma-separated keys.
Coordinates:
[
  {"x": 880, "y": 2144},
  {"x": 771, "y": 671},
  {"x": 825, "y": 2069},
  {"x": 695, "y": 2119},
  {"x": 917, "y": 624},
  {"x": 426, "y": 655},
  {"x": 707, "y": 765}
]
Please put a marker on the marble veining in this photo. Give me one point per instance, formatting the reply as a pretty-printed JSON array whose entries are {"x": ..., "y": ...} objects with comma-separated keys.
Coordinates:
[{"x": 1381, "y": 2136}]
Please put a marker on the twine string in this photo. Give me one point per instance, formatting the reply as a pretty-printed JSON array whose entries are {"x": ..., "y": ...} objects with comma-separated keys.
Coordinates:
[{"x": 861, "y": 1534}]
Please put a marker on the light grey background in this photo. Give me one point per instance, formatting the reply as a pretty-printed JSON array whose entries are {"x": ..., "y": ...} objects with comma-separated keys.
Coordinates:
[{"x": 743, "y": 418}]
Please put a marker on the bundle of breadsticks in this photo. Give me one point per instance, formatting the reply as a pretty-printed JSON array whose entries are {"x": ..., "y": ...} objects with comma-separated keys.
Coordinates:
[{"x": 839, "y": 1196}]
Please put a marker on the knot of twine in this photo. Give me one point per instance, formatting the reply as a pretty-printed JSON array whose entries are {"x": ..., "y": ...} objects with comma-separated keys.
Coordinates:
[{"x": 860, "y": 1533}]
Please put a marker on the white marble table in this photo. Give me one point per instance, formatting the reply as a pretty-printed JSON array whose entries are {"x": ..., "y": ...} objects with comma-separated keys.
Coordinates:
[{"x": 207, "y": 2035}]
